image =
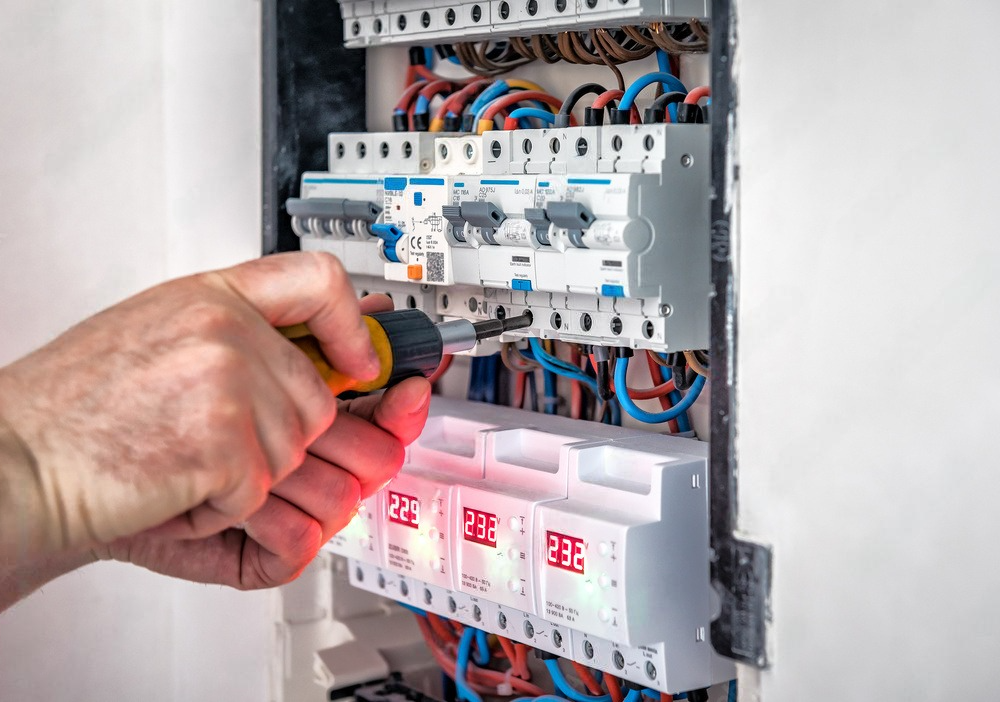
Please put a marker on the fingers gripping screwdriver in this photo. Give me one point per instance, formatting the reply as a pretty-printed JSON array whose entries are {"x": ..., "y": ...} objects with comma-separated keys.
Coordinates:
[{"x": 408, "y": 344}]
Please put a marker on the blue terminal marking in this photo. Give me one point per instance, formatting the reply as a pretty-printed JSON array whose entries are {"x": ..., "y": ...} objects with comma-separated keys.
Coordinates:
[
  {"x": 427, "y": 181},
  {"x": 543, "y": 184},
  {"x": 589, "y": 181},
  {"x": 501, "y": 182},
  {"x": 418, "y": 199},
  {"x": 459, "y": 185},
  {"x": 394, "y": 184},
  {"x": 516, "y": 284},
  {"x": 612, "y": 291},
  {"x": 358, "y": 181}
]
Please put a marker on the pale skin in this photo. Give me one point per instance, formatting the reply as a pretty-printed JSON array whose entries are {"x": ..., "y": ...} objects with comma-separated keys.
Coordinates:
[{"x": 181, "y": 432}]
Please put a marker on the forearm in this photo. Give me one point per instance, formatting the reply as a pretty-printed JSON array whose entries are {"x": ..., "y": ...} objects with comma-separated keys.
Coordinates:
[{"x": 19, "y": 581}]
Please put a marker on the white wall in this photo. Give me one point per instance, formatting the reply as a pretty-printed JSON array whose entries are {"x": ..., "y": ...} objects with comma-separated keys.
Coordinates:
[
  {"x": 129, "y": 153},
  {"x": 869, "y": 384}
]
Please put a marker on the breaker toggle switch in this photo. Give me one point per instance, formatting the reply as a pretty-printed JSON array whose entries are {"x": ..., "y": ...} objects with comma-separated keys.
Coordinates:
[
  {"x": 540, "y": 223},
  {"x": 485, "y": 216},
  {"x": 573, "y": 217},
  {"x": 332, "y": 208},
  {"x": 390, "y": 235},
  {"x": 453, "y": 214}
]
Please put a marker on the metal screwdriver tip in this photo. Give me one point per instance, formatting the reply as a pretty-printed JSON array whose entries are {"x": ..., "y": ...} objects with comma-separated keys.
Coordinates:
[{"x": 489, "y": 328}]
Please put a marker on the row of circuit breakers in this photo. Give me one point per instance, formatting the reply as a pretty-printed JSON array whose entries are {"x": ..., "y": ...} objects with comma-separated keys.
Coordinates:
[
  {"x": 602, "y": 233},
  {"x": 587, "y": 541},
  {"x": 378, "y": 22}
]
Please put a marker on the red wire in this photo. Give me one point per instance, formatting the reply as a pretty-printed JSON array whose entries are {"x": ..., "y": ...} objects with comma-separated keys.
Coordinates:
[
  {"x": 615, "y": 688},
  {"x": 576, "y": 391},
  {"x": 436, "y": 87},
  {"x": 643, "y": 393},
  {"x": 457, "y": 102},
  {"x": 481, "y": 680},
  {"x": 522, "y": 660},
  {"x": 588, "y": 679},
  {"x": 697, "y": 94},
  {"x": 654, "y": 370},
  {"x": 602, "y": 100},
  {"x": 441, "y": 629},
  {"x": 410, "y": 94},
  {"x": 519, "y": 96},
  {"x": 520, "y": 381},
  {"x": 607, "y": 96}
]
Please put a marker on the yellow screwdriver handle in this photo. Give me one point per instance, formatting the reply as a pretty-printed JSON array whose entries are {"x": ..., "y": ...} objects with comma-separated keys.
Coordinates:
[{"x": 338, "y": 383}]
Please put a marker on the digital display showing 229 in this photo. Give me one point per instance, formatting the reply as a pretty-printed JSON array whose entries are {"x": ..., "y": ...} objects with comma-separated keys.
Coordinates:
[
  {"x": 404, "y": 509},
  {"x": 480, "y": 527}
]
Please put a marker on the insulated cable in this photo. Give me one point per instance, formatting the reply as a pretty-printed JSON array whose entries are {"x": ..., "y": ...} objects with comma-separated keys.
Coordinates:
[{"x": 634, "y": 411}]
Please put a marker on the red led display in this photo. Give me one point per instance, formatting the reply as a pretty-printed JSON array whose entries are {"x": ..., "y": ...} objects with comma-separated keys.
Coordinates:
[
  {"x": 404, "y": 509},
  {"x": 564, "y": 552},
  {"x": 481, "y": 527}
]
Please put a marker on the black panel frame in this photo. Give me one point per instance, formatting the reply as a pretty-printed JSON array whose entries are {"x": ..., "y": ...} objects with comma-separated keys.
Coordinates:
[{"x": 311, "y": 86}]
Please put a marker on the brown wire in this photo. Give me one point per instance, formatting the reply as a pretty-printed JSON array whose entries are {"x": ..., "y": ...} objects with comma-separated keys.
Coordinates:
[
  {"x": 545, "y": 49},
  {"x": 597, "y": 40}
]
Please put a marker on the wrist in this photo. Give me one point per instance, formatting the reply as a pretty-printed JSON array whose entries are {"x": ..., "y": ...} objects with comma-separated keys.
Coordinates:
[{"x": 23, "y": 536}]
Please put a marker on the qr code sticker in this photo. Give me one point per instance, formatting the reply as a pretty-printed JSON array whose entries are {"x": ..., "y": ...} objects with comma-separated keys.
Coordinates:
[{"x": 435, "y": 267}]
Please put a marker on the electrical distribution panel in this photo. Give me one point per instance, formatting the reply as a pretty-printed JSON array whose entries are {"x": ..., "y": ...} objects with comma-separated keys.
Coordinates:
[
  {"x": 378, "y": 22},
  {"x": 586, "y": 541},
  {"x": 602, "y": 233}
]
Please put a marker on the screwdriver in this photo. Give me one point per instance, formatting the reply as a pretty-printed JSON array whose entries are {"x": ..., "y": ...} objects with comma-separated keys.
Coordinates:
[{"x": 408, "y": 344}]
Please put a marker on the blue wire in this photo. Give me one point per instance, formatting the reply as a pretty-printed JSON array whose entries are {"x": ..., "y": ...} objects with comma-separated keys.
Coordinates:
[
  {"x": 732, "y": 691},
  {"x": 423, "y": 105},
  {"x": 543, "y": 115},
  {"x": 563, "y": 686},
  {"x": 462, "y": 663},
  {"x": 415, "y": 610},
  {"x": 523, "y": 123},
  {"x": 649, "y": 692},
  {"x": 551, "y": 363},
  {"x": 683, "y": 423},
  {"x": 491, "y": 93},
  {"x": 669, "y": 83},
  {"x": 476, "y": 377},
  {"x": 663, "y": 61},
  {"x": 428, "y": 57},
  {"x": 482, "y": 656},
  {"x": 635, "y": 696},
  {"x": 454, "y": 59},
  {"x": 672, "y": 109},
  {"x": 551, "y": 398},
  {"x": 634, "y": 411}
]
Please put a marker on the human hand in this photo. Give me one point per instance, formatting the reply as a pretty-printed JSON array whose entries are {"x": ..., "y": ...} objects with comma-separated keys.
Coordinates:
[
  {"x": 179, "y": 409},
  {"x": 353, "y": 459}
]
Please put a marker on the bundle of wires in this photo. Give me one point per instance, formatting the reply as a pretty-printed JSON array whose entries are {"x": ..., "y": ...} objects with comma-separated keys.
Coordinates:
[
  {"x": 634, "y": 411},
  {"x": 455, "y": 656}
]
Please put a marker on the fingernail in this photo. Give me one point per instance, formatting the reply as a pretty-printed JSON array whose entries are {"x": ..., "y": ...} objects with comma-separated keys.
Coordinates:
[
  {"x": 374, "y": 364},
  {"x": 424, "y": 401}
]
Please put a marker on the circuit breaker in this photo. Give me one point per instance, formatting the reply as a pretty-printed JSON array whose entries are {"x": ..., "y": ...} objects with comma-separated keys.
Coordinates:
[{"x": 602, "y": 234}]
